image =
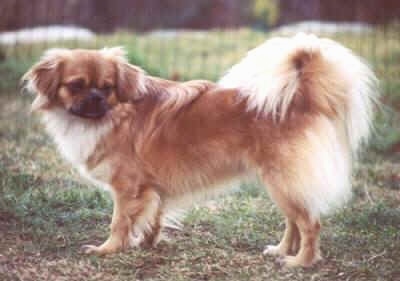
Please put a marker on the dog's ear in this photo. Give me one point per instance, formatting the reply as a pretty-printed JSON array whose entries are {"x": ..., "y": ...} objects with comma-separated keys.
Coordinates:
[
  {"x": 44, "y": 77},
  {"x": 131, "y": 83},
  {"x": 131, "y": 80}
]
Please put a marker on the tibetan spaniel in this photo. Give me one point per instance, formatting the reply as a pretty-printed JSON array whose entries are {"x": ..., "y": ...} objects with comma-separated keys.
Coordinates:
[{"x": 294, "y": 112}]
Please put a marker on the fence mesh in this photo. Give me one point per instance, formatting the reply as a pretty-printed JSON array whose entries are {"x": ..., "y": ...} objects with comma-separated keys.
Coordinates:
[{"x": 177, "y": 53}]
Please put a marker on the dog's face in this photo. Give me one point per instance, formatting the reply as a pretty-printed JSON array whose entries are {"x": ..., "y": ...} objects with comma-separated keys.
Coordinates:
[{"x": 85, "y": 83}]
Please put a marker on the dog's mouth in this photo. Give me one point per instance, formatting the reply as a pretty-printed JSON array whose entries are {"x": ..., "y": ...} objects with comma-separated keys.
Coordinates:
[{"x": 89, "y": 109}]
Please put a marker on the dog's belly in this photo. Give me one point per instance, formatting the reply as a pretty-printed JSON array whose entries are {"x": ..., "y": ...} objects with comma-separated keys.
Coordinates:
[
  {"x": 203, "y": 193},
  {"x": 202, "y": 179}
]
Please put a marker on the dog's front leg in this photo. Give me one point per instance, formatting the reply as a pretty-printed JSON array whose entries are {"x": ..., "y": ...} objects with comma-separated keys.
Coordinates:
[
  {"x": 120, "y": 231},
  {"x": 136, "y": 211}
]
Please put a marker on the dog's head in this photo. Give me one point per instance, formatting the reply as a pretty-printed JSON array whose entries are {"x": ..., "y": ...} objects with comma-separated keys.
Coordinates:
[{"x": 85, "y": 83}]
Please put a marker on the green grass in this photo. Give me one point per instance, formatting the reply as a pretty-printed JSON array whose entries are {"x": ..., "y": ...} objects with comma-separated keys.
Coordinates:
[{"x": 47, "y": 212}]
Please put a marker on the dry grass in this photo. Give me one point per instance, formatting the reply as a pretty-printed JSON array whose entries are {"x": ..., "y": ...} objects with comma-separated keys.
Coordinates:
[{"x": 47, "y": 213}]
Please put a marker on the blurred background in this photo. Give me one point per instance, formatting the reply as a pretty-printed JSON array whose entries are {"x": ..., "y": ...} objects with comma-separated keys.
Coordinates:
[
  {"x": 47, "y": 212},
  {"x": 196, "y": 39},
  {"x": 182, "y": 40}
]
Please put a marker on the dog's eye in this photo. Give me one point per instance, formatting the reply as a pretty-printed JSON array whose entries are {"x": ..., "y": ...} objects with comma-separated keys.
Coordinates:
[
  {"x": 76, "y": 86},
  {"x": 107, "y": 87}
]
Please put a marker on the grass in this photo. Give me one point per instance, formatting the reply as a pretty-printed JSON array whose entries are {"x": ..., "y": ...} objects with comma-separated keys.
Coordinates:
[{"x": 47, "y": 212}]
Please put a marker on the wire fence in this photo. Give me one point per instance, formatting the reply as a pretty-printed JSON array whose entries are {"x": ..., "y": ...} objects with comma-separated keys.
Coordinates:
[{"x": 165, "y": 49}]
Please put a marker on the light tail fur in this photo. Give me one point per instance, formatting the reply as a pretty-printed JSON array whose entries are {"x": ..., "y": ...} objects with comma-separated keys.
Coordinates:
[{"x": 287, "y": 77}]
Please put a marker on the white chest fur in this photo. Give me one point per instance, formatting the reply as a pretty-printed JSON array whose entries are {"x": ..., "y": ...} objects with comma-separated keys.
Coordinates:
[{"x": 76, "y": 141}]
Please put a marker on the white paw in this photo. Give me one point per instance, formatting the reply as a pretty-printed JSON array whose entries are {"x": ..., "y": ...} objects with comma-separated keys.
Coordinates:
[
  {"x": 90, "y": 249},
  {"x": 297, "y": 261},
  {"x": 272, "y": 250}
]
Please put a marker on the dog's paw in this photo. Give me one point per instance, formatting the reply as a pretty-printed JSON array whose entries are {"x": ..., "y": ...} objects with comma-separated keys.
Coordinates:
[
  {"x": 104, "y": 249},
  {"x": 273, "y": 250},
  {"x": 90, "y": 250},
  {"x": 297, "y": 261},
  {"x": 289, "y": 261}
]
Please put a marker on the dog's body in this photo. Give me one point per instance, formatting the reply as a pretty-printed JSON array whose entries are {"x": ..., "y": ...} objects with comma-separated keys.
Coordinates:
[{"x": 294, "y": 111}]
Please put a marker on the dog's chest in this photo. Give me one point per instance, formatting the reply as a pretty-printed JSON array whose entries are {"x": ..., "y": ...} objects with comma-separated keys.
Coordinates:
[{"x": 77, "y": 142}]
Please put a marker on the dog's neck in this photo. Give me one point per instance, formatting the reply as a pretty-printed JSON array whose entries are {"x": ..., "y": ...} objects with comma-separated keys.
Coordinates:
[{"x": 75, "y": 138}]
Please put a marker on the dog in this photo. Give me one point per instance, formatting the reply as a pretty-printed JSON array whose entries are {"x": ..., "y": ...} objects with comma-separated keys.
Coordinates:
[{"x": 294, "y": 111}]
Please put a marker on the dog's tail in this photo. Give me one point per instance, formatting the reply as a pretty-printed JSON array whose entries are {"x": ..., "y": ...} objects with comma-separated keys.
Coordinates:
[
  {"x": 287, "y": 78},
  {"x": 307, "y": 74}
]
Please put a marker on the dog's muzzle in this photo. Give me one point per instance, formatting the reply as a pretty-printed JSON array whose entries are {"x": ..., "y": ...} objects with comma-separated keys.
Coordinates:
[{"x": 94, "y": 106}]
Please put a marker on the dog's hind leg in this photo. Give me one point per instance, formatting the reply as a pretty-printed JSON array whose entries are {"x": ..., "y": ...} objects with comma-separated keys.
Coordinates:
[
  {"x": 301, "y": 238},
  {"x": 290, "y": 243},
  {"x": 309, "y": 252}
]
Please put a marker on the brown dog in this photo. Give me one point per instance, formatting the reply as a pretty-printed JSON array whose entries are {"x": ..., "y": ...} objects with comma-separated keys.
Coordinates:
[{"x": 294, "y": 111}]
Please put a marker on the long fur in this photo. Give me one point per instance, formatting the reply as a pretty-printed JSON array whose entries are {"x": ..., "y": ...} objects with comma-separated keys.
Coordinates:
[
  {"x": 294, "y": 111},
  {"x": 290, "y": 74}
]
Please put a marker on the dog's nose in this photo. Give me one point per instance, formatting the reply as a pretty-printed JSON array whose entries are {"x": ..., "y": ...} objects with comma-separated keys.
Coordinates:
[{"x": 96, "y": 95}]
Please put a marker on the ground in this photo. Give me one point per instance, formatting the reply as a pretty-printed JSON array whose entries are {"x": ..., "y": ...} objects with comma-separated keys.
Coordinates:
[{"x": 47, "y": 212}]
